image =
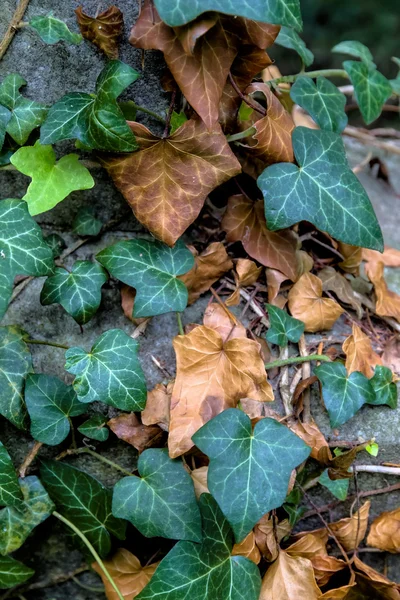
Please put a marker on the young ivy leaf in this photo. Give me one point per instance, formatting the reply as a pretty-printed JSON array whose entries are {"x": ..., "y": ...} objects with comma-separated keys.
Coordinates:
[
  {"x": 52, "y": 180},
  {"x": 15, "y": 364},
  {"x": 94, "y": 428},
  {"x": 322, "y": 101},
  {"x": 50, "y": 403},
  {"x": 84, "y": 501},
  {"x": 78, "y": 291},
  {"x": 371, "y": 88},
  {"x": 343, "y": 396},
  {"x": 10, "y": 492},
  {"x": 322, "y": 190},
  {"x": 161, "y": 502},
  {"x": 94, "y": 119},
  {"x": 385, "y": 389},
  {"x": 52, "y": 30},
  {"x": 283, "y": 327},
  {"x": 16, "y": 523},
  {"x": 56, "y": 243},
  {"x": 110, "y": 372},
  {"x": 205, "y": 571},
  {"x": 288, "y": 38},
  {"x": 177, "y": 119},
  {"x": 26, "y": 114},
  {"x": 104, "y": 30},
  {"x": 13, "y": 572},
  {"x": 356, "y": 49},
  {"x": 249, "y": 469},
  {"x": 280, "y": 12},
  {"x": 152, "y": 269},
  {"x": 338, "y": 487},
  {"x": 85, "y": 222}
]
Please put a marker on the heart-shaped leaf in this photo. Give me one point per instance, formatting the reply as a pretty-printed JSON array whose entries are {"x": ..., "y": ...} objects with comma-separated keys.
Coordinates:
[
  {"x": 52, "y": 30},
  {"x": 50, "y": 403},
  {"x": 84, "y": 501},
  {"x": 10, "y": 492},
  {"x": 336, "y": 201},
  {"x": 323, "y": 101},
  {"x": 152, "y": 269},
  {"x": 15, "y": 364},
  {"x": 104, "y": 30},
  {"x": 13, "y": 572},
  {"x": 26, "y": 114},
  {"x": 343, "y": 396},
  {"x": 283, "y": 327},
  {"x": 110, "y": 372},
  {"x": 205, "y": 571},
  {"x": 161, "y": 502},
  {"x": 85, "y": 222},
  {"x": 94, "y": 428},
  {"x": 52, "y": 180},
  {"x": 95, "y": 120},
  {"x": 78, "y": 291},
  {"x": 356, "y": 49},
  {"x": 289, "y": 38},
  {"x": 249, "y": 470},
  {"x": 16, "y": 523},
  {"x": 385, "y": 389},
  {"x": 371, "y": 89},
  {"x": 23, "y": 250},
  {"x": 56, "y": 243}
]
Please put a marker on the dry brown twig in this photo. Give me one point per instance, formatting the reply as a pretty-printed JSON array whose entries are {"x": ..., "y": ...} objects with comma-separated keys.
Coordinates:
[{"x": 13, "y": 26}]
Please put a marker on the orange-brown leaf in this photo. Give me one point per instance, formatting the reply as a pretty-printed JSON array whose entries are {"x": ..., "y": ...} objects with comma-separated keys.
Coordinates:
[
  {"x": 346, "y": 529},
  {"x": 274, "y": 281},
  {"x": 307, "y": 304},
  {"x": 290, "y": 578},
  {"x": 311, "y": 435},
  {"x": 385, "y": 532},
  {"x": 390, "y": 257},
  {"x": 359, "y": 353},
  {"x": 220, "y": 319},
  {"x": 127, "y": 427},
  {"x": 199, "y": 477},
  {"x": 325, "y": 567},
  {"x": 308, "y": 546},
  {"x": 246, "y": 273},
  {"x": 104, "y": 30},
  {"x": 391, "y": 355},
  {"x": 352, "y": 257},
  {"x": 128, "y": 574},
  {"x": 333, "y": 281},
  {"x": 373, "y": 585},
  {"x": 157, "y": 407},
  {"x": 387, "y": 302},
  {"x": 267, "y": 539},
  {"x": 248, "y": 548},
  {"x": 167, "y": 181},
  {"x": 340, "y": 593}
]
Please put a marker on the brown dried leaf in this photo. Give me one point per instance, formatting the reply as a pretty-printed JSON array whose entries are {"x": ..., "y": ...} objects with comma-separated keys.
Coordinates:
[
  {"x": 158, "y": 405},
  {"x": 325, "y": 567},
  {"x": 313, "y": 547},
  {"x": 391, "y": 355},
  {"x": 189, "y": 34},
  {"x": 127, "y": 572},
  {"x": 252, "y": 408},
  {"x": 246, "y": 273},
  {"x": 209, "y": 266},
  {"x": 199, "y": 477},
  {"x": 301, "y": 118},
  {"x": 346, "y": 529},
  {"x": 352, "y": 257},
  {"x": 104, "y": 30},
  {"x": 390, "y": 257},
  {"x": 274, "y": 281},
  {"x": 244, "y": 221},
  {"x": 387, "y": 302},
  {"x": 340, "y": 593},
  {"x": 127, "y": 427},
  {"x": 224, "y": 322},
  {"x": 289, "y": 578},
  {"x": 359, "y": 353},
  {"x": 307, "y": 305},
  {"x": 248, "y": 548},
  {"x": 311, "y": 435},
  {"x": 385, "y": 532},
  {"x": 127, "y": 301},
  {"x": 267, "y": 540},
  {"x": 374, "y": 585},
  {"x": 308, "y": 546},
  {"x": 167, "y": 181},
  {"x": 339, "y": 465},
  {"x": 333, "y": 281}
]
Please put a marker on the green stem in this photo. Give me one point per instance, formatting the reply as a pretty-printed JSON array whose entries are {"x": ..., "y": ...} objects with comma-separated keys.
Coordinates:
[
  {"x": 241, "y": 134},
  {"x": 312, "y": 74},
  {"x": 45, "y": 343},
  {"x": 149, "y": 112},
  {"x": 103, "y": 459},
  {"x": 180, "y": 326},
  {"x": 295, "y": 360},
  {"x": 92, "y": 551}
]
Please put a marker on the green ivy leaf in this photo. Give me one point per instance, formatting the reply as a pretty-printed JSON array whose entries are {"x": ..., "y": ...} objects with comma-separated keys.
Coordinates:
[
  {"x": 280, "y": 12},
  {"x": 322, "y": 190},
  {"x": 356, "y": 49},
  {"x": 15, "y": 364},
  {"x": 288, "y": 38},
  {"x": 249, "y": 470},
  {"x": 322, "y": 101},
  {"x": 5, "y": 116},
  {"x": 205, "y": 571},
  {"x": 283, "y": 327},
  {"x": 55, "y": 243},
  {"x": 50, "y": 403},
  {"x": 110, "y": 373},
  {"x": 26, "y": 114},
  {"x": 96, "y": 120},
  {"x": 161, "y": 502},
  {"x": 94, "y": 428},
  {"x": 13, "y": 572},
  {"x": 16, "y": 523},
  {"x": 371, "y": 89},
  {"x": 85, "y": 222},
  {"x": 52, "y": 30},
  {"x": 338, "y": 487},
  {"x": 385, "y": 389},
  {"x": 10, "y": 492},
  {"x": 78, "y": 291},
  {"x": 84, "y": 501},
  {"x": 343, "y": 396},
  {"x": 52, "y": 180},
  {"x": 395, "y": 83},
  {"x": 152, "y": 269},
  {"x": 177, "y": 119}
]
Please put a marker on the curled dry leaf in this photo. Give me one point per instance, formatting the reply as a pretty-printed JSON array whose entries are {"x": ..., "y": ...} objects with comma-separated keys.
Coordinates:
[
  {"x": 209, "y": 266},
  {"x": 267, "y": 539},
  {"x": 290, "y": 578},
  {"x": 307, "y": 304},
  {"x": 252, "y": 408},
  {"x": 248, "y": 548},
  {"x": 274, "y": 281},
  {"x": 359, "y": 353},
  {"x": 127, "y": 427},
  {"x": 311, "y": 435},
  {"x": 246, "y": 273},
  {"x": 104, "y": 30},
  {"x": 372, "y": 585},
  {"x": 127, "y": 301},
  {"x": 339, "y": 465},
  {"x": 385, "y": 532},
  {"x": 158, "y": 405},
  {"x": 167, "y": 181},
  {"x": 308, "y": 546},
  {"x": 128, "y": 574},
  {"x": 220, "y": 319},
  {"x": 352, "y": 257},
  {"x": 342, "y": 592},
  {"x": 333, "y": 281},
  {"x": 325, "y": 567},
  {"x": 244, "y": 221},
  {"x": 391, "y": 355},
  {"x": 313, "y": 546},
  {"x": 346, "y": 529},
  {"x": 387, "y": 302},
  {"x": 213, "y": 373},
  {"x": 199, "y": 477},
  {"x": 390, "y": 256}
]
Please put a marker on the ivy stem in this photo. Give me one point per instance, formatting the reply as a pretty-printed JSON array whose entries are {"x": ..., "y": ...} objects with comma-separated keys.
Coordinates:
[
  {"x": 92, "y": 551},
  {"x": 45, "y": 343},
  {"x": 257, "y": 107},
  {"x": 150, "y": 112},
  {"x": 180, "y": 325},
  {"x": 103, "y": 459},
  {"x": 242, "y": 134},
  {"x": 293, "y": 360},
  {"x": 312, "y": 74}
]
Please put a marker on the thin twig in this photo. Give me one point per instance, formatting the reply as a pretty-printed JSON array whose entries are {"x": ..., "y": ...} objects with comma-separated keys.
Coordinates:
[
  {"x": 13, "y": 26},
  {"x": 306, "y": 373},
  {"x": 361, "y": 165},
  {"x": 180, "y": 325},
  {"x": 311, "y": 236},
  {"x": 246, "y": 99},
  {"x": 376, "y": 469},
  {"x": 369, "y": 139},
  {"x": 30, "y": 457},
  {"x": 253, "y": 304}
]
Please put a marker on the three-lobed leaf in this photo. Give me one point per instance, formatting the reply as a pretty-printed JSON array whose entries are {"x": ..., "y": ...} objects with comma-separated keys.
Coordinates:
[
  {"x": 289, "y": 38},
  {"x": 103, "y": 30},
  {"x": 110, "y": 372},
  {"x": 283, "y": 327},
  {"x": 322, "y": 190},
  {"x": 161, "y": 502},
  {"x": 249, "y": 470},
  {"x": 13, "y": 572},
  {"x": 322, "y": 100},
  {"x": 86, "y": 223},
  {"x": 52, "y": 30},
  {"x": 371, "y": 88},
  {"x": 384, "y": 387},
  {"x": 355, "y": 49},
  {"x": 152, "y": 269},
  {"x": 10, "y": 492}
]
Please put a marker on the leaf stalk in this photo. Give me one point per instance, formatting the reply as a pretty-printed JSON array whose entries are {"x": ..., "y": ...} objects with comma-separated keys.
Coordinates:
[
  {"x": 312, "y": 74},
  {"x": 242, "y": 134},
  {"x": 46, "y": 343},
  {"x": 293, "y": 360}
]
